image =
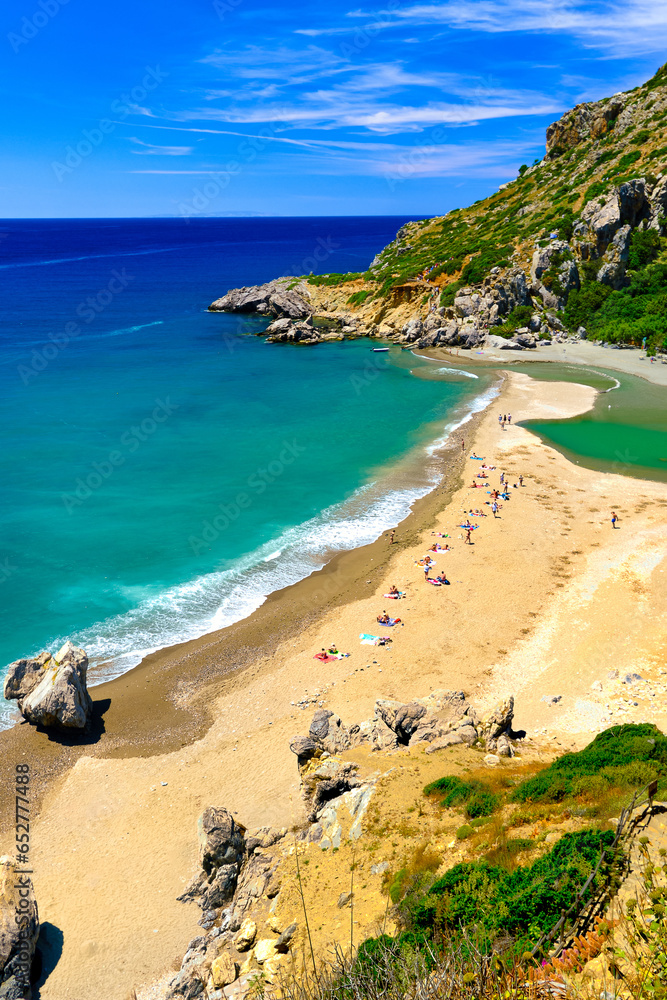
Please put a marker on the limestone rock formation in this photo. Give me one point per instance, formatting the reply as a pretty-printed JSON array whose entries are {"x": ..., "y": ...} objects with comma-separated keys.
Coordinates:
[
  {"x": 51, "y": 690},
  {"x": 234, "y": 890},
  {"x": 286, "y": 297},
  {"x": 221, "y": 854},
  {"x": 19, "y": 929}
]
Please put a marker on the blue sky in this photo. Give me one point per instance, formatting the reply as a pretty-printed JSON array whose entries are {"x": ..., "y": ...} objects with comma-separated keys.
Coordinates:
[{"x": 209, "y": 107}]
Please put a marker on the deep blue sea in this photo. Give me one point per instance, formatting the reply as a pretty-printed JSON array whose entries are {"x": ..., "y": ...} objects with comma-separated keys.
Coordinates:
[{"x": 164, "y": 470}]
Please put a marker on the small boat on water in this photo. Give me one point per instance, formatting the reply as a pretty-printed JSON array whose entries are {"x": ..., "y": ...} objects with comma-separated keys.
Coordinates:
[{"x": 379, "y": 350}]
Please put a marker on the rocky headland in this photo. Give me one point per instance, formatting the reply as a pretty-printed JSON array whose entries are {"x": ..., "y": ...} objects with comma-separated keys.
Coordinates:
[{"x": 542, "y": 260}]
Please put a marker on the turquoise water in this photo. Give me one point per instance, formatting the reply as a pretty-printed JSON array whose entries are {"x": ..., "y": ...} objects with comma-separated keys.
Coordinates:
[
  {"x": 163, "y": 471},
  {"x": 625, "y": 432}
]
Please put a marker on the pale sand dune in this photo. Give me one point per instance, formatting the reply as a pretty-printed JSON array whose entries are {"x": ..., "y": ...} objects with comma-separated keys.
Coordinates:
[{"x": 113, "y": 846}]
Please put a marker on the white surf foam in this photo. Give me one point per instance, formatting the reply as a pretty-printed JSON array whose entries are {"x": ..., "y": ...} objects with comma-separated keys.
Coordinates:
[{"x": 218, "y": 599}]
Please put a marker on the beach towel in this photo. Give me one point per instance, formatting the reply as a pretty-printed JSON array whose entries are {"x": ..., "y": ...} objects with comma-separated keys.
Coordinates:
[
  {"x": 395, "y": 597},
  {"x": 324, "y": 659},
  {"x": 436, "y": 583},
  {"x": 391, "y": 623},
  {"x": 372, "y": 640}
]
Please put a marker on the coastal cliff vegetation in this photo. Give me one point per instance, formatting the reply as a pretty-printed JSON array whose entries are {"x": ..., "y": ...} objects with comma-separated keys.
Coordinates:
[{"x": 575, "y": 245}]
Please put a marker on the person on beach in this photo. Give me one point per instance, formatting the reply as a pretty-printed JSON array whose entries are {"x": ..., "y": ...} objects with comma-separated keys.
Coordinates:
[
  {"x": 469, "y": 536},
  {"x": 614, "y": 518},
  {"x": 394, "y": 589},
  {"x": 520, "y": 480},
  {"x": 494, "y": 508},
  {"x": 383, "y": 618},
  {"x": 391, "y": 537},
  {"x": 509, "y": 418},
  {"x": 442, "y": 579},
  {"x": 500, "y": 419},
  {"x": 426, "y": 571}
]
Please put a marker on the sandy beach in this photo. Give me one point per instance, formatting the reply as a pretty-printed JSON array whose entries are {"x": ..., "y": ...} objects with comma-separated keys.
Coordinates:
[{"x": 549, "y": 603}]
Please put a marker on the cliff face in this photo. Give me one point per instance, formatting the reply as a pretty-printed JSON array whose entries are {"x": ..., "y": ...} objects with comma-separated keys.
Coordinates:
[{"x": 510, "y": 263}]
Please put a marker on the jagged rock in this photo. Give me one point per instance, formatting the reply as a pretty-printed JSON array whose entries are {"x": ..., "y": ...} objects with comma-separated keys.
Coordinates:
[
  {"x": 603, "y": 221},
  {"x": 329, "y": 732},
  {"x": 304, "y": 747},
  {"x": 406, "y": 721},
  {"x": 615, "y": 259},
  {"x": 221, "y": 853},
  {"x": 283, "y": 325},
  {"x": 444, "y": 741},
  {"x": 377, "y": 734},
  {"x": 274, "y": 298},
  {"x": 322, "y": 780},
  {"x": 190, "y": 981},
  {"x": 51, "y": 690},
  {"x": 282, "y": 944},
  {"x": 221, "y": 839},
  {"x": 412, "y": 330},
  {"x": 224, "y": 970},
  {"x": 265, "y": 950},
  {"x": 498, "y": 723},
  {"x": 19, "y": 930},
  {"x": 498, "y": 342},
  {"x": 246, "y": 935},
  {"x": 503, "y": 747},
  {"x": 265, "y": 836}
]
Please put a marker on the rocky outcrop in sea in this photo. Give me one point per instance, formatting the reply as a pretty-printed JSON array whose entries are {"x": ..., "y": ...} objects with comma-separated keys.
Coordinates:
[{"x": 309, "y": 314}]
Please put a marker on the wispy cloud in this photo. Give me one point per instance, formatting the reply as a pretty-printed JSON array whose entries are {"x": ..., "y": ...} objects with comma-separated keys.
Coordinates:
[
  {"x": 148, "y": 149},
  {"x": 337, "y": 157},
  {"x": 633, "y": 27},
  {"x": 317, "y": 89}
]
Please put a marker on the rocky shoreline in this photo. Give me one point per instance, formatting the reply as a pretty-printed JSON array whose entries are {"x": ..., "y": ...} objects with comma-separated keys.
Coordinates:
[{"x": 304, "y": 311}]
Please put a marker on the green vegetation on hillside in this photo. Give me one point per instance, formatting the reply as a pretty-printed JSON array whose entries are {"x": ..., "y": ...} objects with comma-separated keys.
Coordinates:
[
  {"x": 627, "y": 139},
  {"x": 630, "y": 755},
  {"x": 498, "y": 894}
]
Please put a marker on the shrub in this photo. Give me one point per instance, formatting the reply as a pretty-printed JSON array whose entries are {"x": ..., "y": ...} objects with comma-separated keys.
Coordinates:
[
  {"x": 333, "y": 279},
  {"x": 449, "y": 267},
  {"x": 644, "y": 248},
  {"x": 526, "y": 900},
  {"x": 642, "y": 136},
  {"x": 480, "y": 265},
  {"x": 448, "y": 294},
  {"x": 628, "y": 159},
  {"x": 520, "y": 316},
  {"x": 523, "y": 168},
  {"x": 596, "y": 189},
  {"x": 477, "y": 797},
  {"x": 583, "y": 302},
  {"x": 616, "y": 747},
  {"x": 358, "y": 298}
]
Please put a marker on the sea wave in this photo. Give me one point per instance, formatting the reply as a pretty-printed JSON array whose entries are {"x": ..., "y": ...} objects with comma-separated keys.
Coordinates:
[
  {"x": 92, "y": 256},
  {"x": 221, "y": 598}
]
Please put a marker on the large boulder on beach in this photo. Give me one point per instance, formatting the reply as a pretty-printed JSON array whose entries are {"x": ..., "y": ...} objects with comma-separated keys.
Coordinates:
[
  {"x": 19, "y": 929},
  {"x": 50, "y": 690}
]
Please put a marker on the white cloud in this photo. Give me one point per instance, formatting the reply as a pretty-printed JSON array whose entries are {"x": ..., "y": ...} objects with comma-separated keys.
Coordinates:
[
  {"x": 631, "y": 28},
  {"x": 316, "y": 89},
  {"x": 394, "y": 161},
  {"x": 148, "y": 149}
]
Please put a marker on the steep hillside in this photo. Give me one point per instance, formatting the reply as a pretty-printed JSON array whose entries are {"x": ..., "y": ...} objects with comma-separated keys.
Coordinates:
[{"x": 573, "y": 245}]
